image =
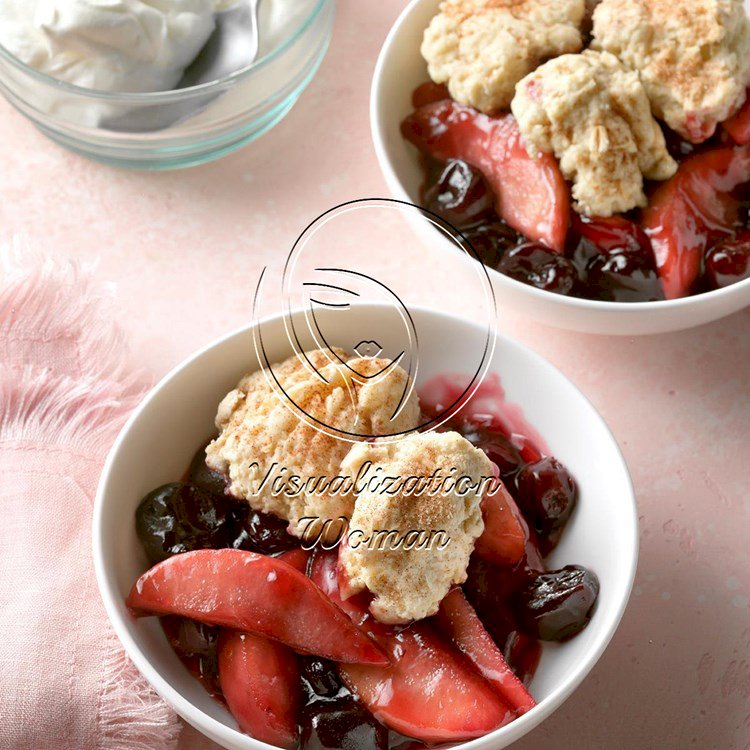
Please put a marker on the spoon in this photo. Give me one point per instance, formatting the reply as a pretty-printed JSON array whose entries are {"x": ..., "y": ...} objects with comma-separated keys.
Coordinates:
[{"x": 232, "y": 46}]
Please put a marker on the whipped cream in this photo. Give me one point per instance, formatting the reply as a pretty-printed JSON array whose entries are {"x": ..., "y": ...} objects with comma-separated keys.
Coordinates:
[
  {"x": 132, "y": 46},
  {"x": 140, "y": 46},
  {"x": 108, "y": 45}
]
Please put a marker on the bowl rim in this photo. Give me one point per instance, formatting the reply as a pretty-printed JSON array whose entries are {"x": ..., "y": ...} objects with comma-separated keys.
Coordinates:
[
  {"x": 160, "y": 97},
  {"x": 215, "y": 728},
  {"x": 394, "y": 182}
]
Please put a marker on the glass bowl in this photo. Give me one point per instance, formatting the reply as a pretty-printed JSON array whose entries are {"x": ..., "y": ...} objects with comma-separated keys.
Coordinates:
[{"x": 173, "y": 129}]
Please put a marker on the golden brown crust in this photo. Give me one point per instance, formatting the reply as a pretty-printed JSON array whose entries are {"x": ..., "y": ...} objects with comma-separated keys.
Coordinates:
[
  {"x": 593, "y": 113},
  {"x": 482, "y": 48},
  {"x": 307, "y": 433},
  {"x": 693, "y": 56},
  {"x": 410, "y": 584}
]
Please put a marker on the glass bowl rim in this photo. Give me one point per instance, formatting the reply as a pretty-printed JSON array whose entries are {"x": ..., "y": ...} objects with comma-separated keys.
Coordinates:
[{"x": 160, "y": 97}]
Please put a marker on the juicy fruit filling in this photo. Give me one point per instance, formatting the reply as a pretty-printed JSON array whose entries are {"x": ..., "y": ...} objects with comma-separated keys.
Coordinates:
[
  {"x": 332, "y": 716},
  {"x": 261, "y": 623},
  {"x": 515, "y": 211}
]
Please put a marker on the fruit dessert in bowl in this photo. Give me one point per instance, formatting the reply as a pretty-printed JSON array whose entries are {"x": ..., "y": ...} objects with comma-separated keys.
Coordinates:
[
  {"x": 384, "y": 572},
  {"x": 594, "y": 155}
]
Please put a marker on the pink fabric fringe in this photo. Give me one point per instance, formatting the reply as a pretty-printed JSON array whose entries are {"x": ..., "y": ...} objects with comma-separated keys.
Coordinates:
[{"x": 65, "y": 682}]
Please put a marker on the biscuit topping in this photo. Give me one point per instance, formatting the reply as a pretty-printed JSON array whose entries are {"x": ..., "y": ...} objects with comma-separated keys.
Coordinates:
[
  {"x": 407, "y": 580},
  {"x": 593, "y": 114},
  {"x": 482, "y": 48},
  {"x": 693, "y": 56},
  {"x": 264, "y": 442}
]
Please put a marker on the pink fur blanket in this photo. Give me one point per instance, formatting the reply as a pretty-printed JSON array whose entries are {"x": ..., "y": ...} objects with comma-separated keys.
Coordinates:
[{"x": 65, "y": 683}]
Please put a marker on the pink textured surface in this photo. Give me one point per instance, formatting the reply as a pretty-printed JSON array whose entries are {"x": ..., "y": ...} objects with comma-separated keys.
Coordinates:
[{"x": 185, "y": 250}]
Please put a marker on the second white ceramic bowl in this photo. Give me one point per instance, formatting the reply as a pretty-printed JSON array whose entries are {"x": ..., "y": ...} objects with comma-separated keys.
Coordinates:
[
  {"x": 176, "y": 418},
  {"x": 399, "y": 70}
]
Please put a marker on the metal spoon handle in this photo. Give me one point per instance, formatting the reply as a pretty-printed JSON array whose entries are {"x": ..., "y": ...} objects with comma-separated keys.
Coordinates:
[{"x": 254, "y": 5}]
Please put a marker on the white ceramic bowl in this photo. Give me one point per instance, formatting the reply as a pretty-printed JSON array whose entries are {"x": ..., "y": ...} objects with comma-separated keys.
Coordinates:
[
  {"x": 399, "y": 70},
  {"x": 160, "y": 438}
]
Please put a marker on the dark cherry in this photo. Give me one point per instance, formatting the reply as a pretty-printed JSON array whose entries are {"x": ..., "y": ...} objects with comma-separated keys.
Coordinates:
[
  {"x": 180, "y": 517},
  {"x": 677, "y": 146},
  {"x": 207, "y": 671},
  {"x": 341, "y": 724},
  {"x": 260, "y": 532},
  {"x": 201, "y": 476},
  {"x": 537, "y": 265},
  {"x": 623, "y": 277},
  {"x": 196, "y": 645},
  {"x": 460, "y": 195},
  {"x": 406, "y": 744},
  {"x": 615, "y": 257},
  {"x": 332, "y": 716},
  {"x": 490, "y": 589},
  {"x": 522, "y": 653},
  {"x": 499, "y": 448},
  {"x": 610, "y": 260},
  {"x": 546, "y": 493},
  {"x": 680, "y": 149},
  {"x": 729, "y": 261},
  {"x": 246, "y": 529},
  {"x": 557, "y": 605},
  {"x": 492, "y": 240},
  {"x": 190, "y": 638},
  {"x": 320, "y": 679},
  {"x": 612, "y": 234}
]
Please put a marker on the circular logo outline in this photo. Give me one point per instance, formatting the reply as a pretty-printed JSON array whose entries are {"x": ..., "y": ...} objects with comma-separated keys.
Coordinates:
[{"x": 289, "y": 314}]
